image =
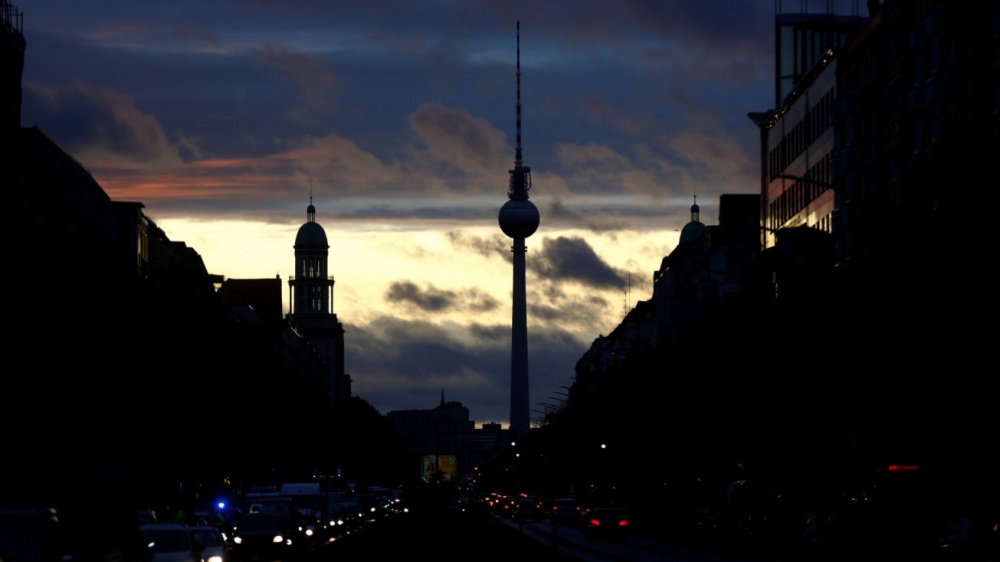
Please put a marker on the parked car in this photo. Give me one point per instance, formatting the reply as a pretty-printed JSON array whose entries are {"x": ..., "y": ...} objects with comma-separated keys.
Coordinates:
[{"x": 170, "y": 542}]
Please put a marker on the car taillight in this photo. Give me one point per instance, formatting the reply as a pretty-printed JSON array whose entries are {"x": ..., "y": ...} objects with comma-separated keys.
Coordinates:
[
  {"x": 595, "y": 522},
  {"x": 623, "y": 523}
]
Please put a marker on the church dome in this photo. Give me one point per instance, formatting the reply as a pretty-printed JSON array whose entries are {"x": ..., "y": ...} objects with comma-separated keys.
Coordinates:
[
  {"x": 692, "y": 231},
  {"x": 311, "y": 235}
]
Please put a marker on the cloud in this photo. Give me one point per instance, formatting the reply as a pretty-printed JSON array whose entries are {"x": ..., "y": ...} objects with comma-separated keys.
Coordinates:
[
  {"x": 719, "y": 155},
  {"x": 556, "y": 212},
  {"x": 122, "y": 31},
  {"x": 569, "y": 311},
  {"x": 316, "y": 79},
  {"x": 102, "y": 127},
  {"x": 197, "y": 36},
  {"x": 432, "y": 299},
  {"x": 598, "y": 110},
  {"x": 406, "y": 363},
  {"x": 571, "y": 155},
  {"x": 484, "y": 246},
  {"x": 598, "y": 168},
  {"x": 454, "y": 136},
  {"x": 572, "y": 259}
]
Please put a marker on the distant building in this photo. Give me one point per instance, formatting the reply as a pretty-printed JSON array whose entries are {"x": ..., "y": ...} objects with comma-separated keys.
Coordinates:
[
  {"x": 443, "y": 430},
  {"x": 311, "y": 296}
]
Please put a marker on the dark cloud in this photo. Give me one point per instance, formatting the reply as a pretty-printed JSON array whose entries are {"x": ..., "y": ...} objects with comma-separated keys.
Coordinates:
[
  {"x": 571, "y": 259},
  {"x": 456, "y": 137},
  {"x": 401, "y": 364},
  {"x": 197, "y": 36},
  {"x": 103, "y": 127},
  {"x": 485, "y": 246},
  {"x": 432, "y": 299},
  {"x": 316, "y": 79},
  {"x": 557, "y": 212}
]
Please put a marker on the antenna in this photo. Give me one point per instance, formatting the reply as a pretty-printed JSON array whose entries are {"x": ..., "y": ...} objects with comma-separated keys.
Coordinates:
[
  {"x": 520, "y": 176},
  {"x": 517, "y": 151}
]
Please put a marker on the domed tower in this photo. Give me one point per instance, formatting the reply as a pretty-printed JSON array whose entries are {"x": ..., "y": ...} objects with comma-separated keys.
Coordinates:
[
  {"x": 519, "y": 219},
  {"x": 311, "y": 295},
  {"x": 694, "y": 229}
]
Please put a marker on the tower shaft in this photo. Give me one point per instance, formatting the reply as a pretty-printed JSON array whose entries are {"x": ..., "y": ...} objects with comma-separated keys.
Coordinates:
[{"x": 519, "y": 416}]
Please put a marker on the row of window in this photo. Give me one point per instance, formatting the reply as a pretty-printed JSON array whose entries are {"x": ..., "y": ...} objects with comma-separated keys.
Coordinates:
[
  {"x": 800, "y": 194},
  {"x": 801, "y": 136}
]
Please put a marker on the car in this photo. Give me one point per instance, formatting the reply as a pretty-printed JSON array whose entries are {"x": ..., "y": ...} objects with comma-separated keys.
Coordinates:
[
  {"x": 262, "y": 536},
  {"x": 566, "y": 511},
  {"x": 170, "y": 542},
  {"x": 608, "y": 523},
  {"x": 210, "y": 538},
  {"x": 526, "y": 509}
]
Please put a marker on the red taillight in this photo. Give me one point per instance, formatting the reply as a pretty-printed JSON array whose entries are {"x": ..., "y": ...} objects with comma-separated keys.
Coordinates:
[
  {"x": 623, "y": 523},
  {"x": 595, "y": 522}
]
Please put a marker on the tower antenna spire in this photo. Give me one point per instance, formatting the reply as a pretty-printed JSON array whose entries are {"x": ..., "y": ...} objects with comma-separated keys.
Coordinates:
[
  {"x": 520, "y": 176},
  {"x": 518, "y": 161}
]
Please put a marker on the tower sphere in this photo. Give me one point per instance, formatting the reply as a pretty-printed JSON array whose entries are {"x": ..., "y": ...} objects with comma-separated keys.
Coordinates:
[{"x": 519, "y": 218}]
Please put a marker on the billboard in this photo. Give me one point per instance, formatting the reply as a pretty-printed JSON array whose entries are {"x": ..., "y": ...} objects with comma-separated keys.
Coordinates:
[{"x": 440, "y": 467}]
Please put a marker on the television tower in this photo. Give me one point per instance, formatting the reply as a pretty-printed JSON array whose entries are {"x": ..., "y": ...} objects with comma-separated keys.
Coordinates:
[{"x": 519, "y": 220}]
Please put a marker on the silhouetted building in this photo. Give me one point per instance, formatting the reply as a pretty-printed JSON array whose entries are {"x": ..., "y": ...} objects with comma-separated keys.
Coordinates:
[
  {"x": 443, "y": 430},
  {"x": 865, "y": 166},
  {"x": 868, "y": 142},
  {"x": 797, "y": 136},
  {"x": 710, "y": 267},
  {"x": 802, "y": 39},
  {"x": 262, "y": 295},
  {"x": 311, "y": 295}
]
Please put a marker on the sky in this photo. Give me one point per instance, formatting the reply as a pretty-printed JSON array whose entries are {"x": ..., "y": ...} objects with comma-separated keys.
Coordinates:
[{"x": 399, "y": 118}]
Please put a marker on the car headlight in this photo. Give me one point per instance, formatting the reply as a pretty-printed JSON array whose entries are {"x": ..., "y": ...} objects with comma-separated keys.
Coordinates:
[
  {"x": 214, "y": 559},
  {"x": 277, "y": 539},
  {"x": 309, "y": 532},
  {"x": 237, "y": 540}
]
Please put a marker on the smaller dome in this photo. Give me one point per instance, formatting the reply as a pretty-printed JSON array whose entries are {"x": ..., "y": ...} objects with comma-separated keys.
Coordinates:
[
  {"x": 518, "y": 218},
  {"x": 310, "y": 210},
  {"x": 311, "y": 234},
  {"x": 692, "y": 231}
]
